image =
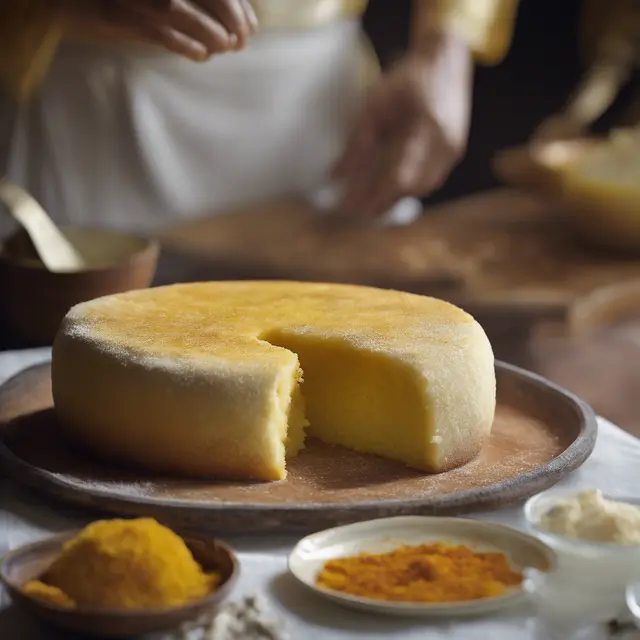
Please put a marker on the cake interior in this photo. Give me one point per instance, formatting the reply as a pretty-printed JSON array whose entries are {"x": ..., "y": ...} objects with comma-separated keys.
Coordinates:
[{"x": 362, "y": 400}]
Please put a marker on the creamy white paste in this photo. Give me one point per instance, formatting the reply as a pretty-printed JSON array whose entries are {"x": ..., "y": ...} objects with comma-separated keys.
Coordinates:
[{"x": 590, "y": 516}]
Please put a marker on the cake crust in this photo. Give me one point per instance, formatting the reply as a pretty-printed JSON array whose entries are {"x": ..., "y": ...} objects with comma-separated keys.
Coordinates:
[{"x": 197, "y": 379}]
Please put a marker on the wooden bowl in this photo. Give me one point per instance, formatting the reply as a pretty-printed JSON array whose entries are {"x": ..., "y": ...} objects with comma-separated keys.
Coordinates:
[
  {"x": 601, "y": 214},
  {"x": 34, "y": 300},
  {"x": 31, "y": 561},
  {"x": 538, "y": 167}
]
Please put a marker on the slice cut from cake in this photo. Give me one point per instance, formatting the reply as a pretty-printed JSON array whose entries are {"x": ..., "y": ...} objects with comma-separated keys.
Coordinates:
[{"x": 220, "y": 379}]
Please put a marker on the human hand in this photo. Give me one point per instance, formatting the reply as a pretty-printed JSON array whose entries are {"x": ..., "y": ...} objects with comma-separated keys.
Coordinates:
[
  {"x": 411, "y": 132},
  {"x": 195, "y": 29}
]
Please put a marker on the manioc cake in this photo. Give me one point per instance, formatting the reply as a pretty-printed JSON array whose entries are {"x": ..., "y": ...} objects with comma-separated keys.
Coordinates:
[{"x": 225, "y": 379}]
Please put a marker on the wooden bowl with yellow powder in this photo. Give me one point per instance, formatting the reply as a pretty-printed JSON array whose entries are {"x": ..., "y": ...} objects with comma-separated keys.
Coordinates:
[{"x": 120, "y": 578}]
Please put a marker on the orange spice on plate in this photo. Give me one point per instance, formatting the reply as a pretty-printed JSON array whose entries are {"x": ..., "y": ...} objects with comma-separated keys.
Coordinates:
[{"x": 428, "y": 573}]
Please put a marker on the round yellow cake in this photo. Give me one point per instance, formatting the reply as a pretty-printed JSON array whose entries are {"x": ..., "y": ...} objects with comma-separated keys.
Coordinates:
[{"x": 223, "y": 379}]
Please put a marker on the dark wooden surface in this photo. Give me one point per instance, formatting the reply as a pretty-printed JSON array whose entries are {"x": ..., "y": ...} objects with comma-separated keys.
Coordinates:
[
  {"x": 540, "y": 434},
  {"x": 603, "y": 368},
  {"x": 499, "y": 248}
]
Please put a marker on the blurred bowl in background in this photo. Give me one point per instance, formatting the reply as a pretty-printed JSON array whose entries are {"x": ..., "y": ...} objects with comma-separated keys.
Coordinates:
[
  {"x": 604, "y": 214},
  {"x": 591, "y": 180},
  {"x": 538, "y": 167},
  {"x": 33, "y": 300}
]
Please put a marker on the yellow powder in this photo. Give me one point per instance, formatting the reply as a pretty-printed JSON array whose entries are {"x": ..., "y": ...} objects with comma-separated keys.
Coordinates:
[{"x": 130, "y": 564}]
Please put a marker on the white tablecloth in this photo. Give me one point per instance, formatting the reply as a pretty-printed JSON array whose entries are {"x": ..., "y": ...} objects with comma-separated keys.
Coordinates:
[{"x": 613, "y": 467}]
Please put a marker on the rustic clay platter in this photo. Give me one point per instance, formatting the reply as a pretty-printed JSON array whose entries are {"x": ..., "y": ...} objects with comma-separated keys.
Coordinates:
[{"x": 541, "y": 433}]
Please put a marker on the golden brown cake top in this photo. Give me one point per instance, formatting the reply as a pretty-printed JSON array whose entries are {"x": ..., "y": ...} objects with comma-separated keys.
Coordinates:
[{"x": 225, "y": 318}]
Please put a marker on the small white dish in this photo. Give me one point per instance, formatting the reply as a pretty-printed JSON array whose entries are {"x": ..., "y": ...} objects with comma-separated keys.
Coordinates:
[
  {"x": 595, "y": 573},
  {"x": 380, "y": 536}
]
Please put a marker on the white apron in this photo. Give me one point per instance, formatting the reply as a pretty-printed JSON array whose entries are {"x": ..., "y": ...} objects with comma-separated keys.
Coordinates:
[{"x": 136, "y": 140}]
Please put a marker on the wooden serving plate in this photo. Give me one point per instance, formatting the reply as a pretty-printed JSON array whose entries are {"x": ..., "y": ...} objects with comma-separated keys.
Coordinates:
[{"x": 541, "y": 433}]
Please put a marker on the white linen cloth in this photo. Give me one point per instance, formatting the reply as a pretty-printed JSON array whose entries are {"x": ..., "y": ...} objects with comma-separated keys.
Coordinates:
[
  {"x": 135, "y": 139},
  {"x": 25, "y": 517}
]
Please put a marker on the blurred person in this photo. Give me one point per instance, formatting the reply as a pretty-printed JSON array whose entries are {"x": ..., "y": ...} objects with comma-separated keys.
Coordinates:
[{"x": 136, "y": 114}]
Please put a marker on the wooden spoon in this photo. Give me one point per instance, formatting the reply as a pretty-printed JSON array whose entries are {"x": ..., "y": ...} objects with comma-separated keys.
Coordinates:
[{"x": 54, "y": 249}]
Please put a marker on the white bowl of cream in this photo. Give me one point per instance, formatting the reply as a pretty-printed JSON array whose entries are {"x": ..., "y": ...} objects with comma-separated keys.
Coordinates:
[
  {"x": 586, "y": 523},
  {"x": 597, "y": 541}
]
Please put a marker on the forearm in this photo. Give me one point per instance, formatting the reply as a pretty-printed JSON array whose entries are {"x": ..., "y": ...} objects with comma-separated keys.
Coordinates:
[
  {"x": 485, "y": 25},
  {"x": 30, "y": 31}
]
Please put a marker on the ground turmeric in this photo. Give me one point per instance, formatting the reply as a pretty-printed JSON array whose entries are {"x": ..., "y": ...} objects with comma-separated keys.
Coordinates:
[
  {"x": 126, "y": 564},
  {"x": 426, "y": 573},
  {"x": 41, "y": 591}
]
